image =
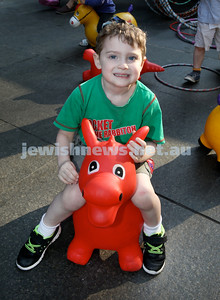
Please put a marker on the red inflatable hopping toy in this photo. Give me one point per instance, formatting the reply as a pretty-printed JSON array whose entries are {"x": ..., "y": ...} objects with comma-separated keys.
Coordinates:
[
  {"x": 88, "y": 74},
  {"x": 109, "y": 220}
]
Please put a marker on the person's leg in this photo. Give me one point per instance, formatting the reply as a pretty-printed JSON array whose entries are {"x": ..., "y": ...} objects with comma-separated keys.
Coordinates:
[
  {"x": 64, "y": 204},
  {"x": 48, "y": 230},
  {"x": 198, "y": 57},
  {"x": 153, "y": 232},
  {"x": 147, "y": 201},
  {"x": 70, "y": 3},
  {"x": 69, "y": 7},
  {"x": 203, "y": 41}
]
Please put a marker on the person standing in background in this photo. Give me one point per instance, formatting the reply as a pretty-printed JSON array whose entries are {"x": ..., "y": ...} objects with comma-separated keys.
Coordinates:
[{"x": 208, "y": 27}]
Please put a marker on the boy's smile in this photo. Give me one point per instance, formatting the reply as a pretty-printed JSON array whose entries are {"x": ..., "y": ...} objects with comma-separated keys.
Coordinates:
[{"x": 121, "y": 64}]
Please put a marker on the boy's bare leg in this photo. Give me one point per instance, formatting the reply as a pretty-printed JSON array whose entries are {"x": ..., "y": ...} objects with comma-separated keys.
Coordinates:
[
  {"x": 147, "y": 201},
  {"x": 63, "y": 205},
  {"x": 154, "y": 235}
]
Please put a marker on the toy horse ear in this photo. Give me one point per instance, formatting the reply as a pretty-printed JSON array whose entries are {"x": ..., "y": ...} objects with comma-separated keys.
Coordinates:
[
  {"x": 88, "y": 133},
  {"x": 141, "y": 133},
  {"x": 77, "y": 5}
]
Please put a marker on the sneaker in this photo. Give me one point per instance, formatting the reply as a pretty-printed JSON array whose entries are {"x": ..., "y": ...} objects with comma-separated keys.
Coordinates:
[
  {"x": 154, "y": 252},
  {"x": 65, "y": 10},
  {"x": 193, "y": 77},
  {"x": 34, "y": 249},
  {"x": 84, "y": 43}
]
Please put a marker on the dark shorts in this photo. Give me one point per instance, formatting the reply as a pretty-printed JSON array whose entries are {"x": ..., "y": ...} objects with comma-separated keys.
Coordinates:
[
  {"x": 143, "y": 168},
  {"x": 103, "y": 17}
]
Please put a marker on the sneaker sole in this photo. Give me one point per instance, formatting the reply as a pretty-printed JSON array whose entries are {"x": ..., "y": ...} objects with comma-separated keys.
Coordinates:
[
  {"x": 151, "y": 272},
  {"x": 42, "y": 255},
  {"x": 83, "y": 45},
  {"x": 191, "y": 79}
]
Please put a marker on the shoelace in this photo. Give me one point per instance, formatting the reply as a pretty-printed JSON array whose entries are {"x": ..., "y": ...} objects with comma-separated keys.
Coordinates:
[
  {"x": 155, "y": 249},
  {"x": 31, "y": 246}
]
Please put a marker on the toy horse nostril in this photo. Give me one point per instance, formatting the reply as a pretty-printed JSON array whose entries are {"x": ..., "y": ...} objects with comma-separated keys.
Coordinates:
[
  {"x": 120, "y": 197},
  {"x": 83, "y": 193}
]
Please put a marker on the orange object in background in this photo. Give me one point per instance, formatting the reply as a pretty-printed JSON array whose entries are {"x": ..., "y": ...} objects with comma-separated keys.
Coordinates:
[{"x": 210, "y": 139}]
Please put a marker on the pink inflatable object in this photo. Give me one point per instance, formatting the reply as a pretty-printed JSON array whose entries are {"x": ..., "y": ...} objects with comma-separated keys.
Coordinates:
[
  {"x": 93, "y": 71},
  {"x": 50, "y": 2},
  {"x": 109, "y": 220}
]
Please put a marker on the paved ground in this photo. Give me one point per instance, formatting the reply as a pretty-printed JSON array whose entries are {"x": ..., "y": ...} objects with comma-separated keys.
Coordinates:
[{"x": 40, "y": 64}]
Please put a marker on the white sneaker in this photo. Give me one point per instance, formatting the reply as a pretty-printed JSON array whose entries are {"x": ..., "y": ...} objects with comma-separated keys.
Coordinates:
[{"x": 84, "y": 43}]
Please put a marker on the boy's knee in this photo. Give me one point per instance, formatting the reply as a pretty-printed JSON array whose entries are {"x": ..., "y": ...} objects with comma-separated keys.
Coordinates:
[
  {"x": 143, "y": 198},
  {"x": 71, "y": 198}
]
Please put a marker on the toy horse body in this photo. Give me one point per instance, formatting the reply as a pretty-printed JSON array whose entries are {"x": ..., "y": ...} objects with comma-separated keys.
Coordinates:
[
  {"x": 86, "y": 15},
  {"x": 108, "y": 220}
]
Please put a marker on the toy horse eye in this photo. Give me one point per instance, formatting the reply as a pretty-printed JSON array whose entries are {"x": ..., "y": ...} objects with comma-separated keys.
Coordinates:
[
  {"x": 119, "y": 171},
  {"x": 93, "y": 167},
  {"x": 77, "y": 13}
]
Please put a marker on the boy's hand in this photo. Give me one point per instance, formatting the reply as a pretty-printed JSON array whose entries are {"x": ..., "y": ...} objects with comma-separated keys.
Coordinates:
[
  {"x": 67, "y": 173},
  {"x": 140, "y": 150}
]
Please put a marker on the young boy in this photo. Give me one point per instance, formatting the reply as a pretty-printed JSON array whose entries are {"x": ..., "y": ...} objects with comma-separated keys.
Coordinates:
[{"x": 117, "y": 97}]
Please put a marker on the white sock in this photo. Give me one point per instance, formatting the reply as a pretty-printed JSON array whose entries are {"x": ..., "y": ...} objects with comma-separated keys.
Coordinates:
[
  {"x": 152, "y": 230},
  {"x": 45, "y": 230}
]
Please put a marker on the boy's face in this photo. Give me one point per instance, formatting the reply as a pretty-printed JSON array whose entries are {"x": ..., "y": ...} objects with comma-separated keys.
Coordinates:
[{"x": 121, "y": 63}]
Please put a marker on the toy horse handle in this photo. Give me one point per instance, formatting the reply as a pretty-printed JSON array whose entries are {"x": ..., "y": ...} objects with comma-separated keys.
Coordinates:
[{"x": 130, "y": 8}]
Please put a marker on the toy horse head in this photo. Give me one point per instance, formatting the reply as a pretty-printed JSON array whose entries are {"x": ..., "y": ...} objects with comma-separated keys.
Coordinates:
[
  {"x": 107, "y": 177},
  {"x": 83, "y": 14}
]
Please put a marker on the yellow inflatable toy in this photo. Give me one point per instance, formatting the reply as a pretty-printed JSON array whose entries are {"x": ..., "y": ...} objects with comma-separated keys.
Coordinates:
[
  {"x": 210, "y": 139},
  {"x": 86, "y": 15}
]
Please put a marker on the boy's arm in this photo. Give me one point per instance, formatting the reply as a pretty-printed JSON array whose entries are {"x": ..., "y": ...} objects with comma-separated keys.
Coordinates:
[{"x": 67, "y": 170}]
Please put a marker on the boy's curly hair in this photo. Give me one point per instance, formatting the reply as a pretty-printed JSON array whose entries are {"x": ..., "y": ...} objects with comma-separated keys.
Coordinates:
[{"x": 126, "y": 32}]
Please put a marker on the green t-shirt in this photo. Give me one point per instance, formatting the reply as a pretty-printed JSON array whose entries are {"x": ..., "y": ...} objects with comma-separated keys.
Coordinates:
[{"x": 89, "y": 101}]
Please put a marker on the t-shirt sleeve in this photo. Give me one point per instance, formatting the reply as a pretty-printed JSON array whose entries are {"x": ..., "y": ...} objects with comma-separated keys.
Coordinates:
[
  {"x": 152, "y": 117},
  {"x": 71, "y": 114}
]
